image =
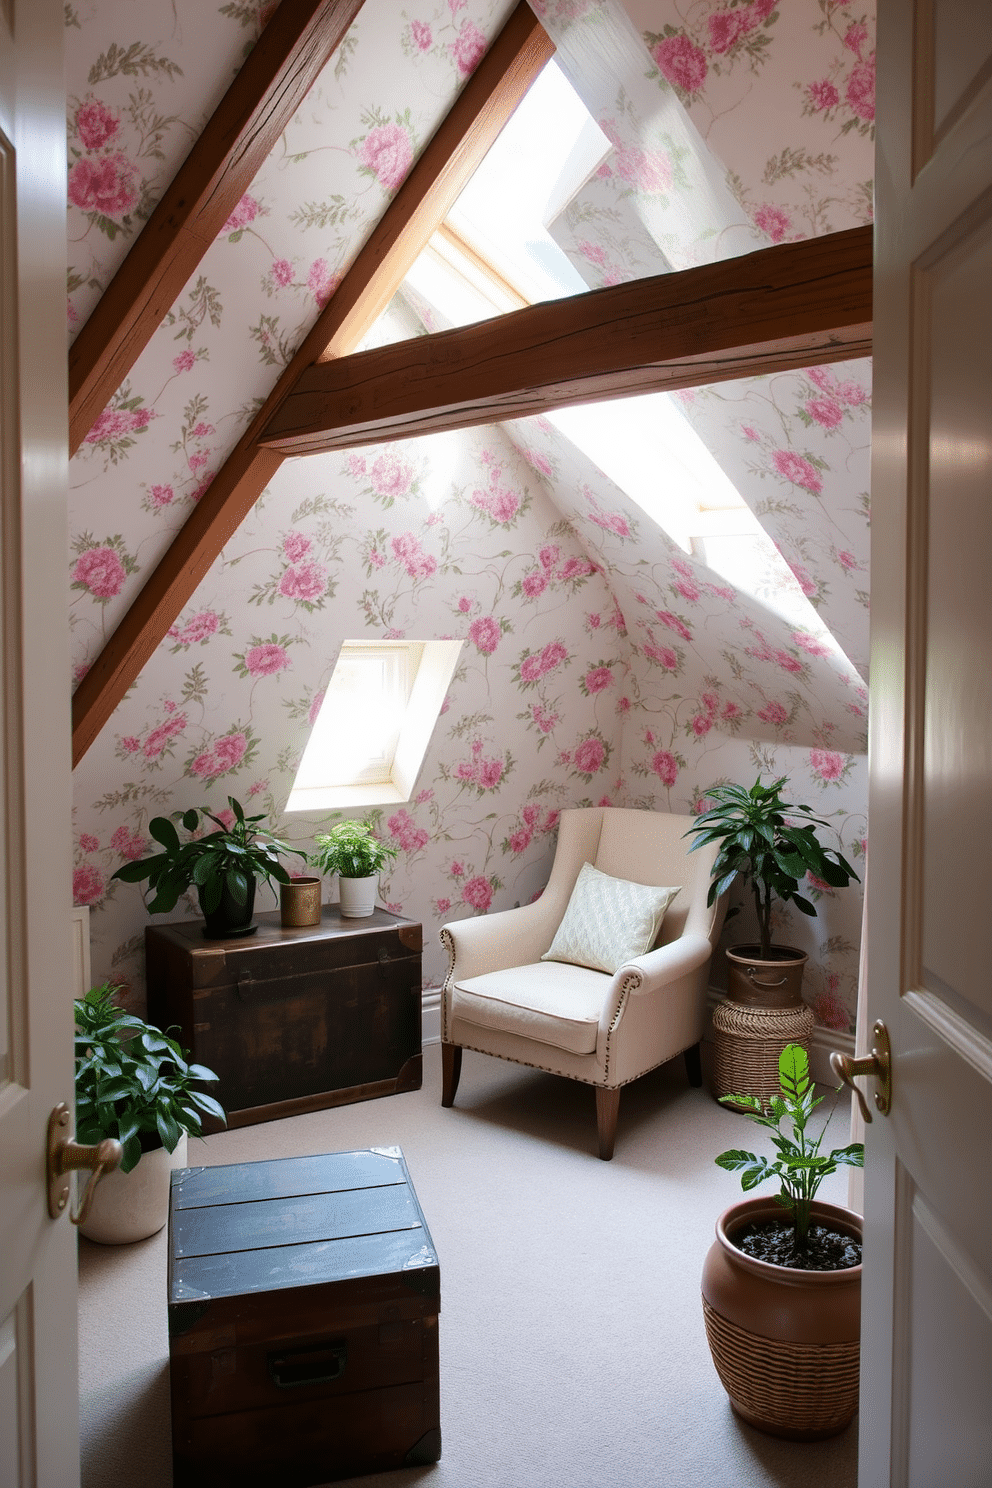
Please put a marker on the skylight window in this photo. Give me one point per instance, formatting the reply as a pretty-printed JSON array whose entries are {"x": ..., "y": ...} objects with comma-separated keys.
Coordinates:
[
  {"x": 494, "y": 254},
  {"x": 370, "y": 737},
  {"x": 548, "y": 150}
]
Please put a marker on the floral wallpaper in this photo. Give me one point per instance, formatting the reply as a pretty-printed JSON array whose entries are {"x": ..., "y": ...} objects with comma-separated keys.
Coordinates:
[
  {"x": 452, "y": 537},
  {"x": 721, "y": 686},
  {"x": 138, "y": 92},
  {"x": 600, "y": 663}
]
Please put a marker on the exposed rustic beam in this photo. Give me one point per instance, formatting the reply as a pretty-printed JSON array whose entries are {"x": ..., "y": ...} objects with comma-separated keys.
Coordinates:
[
  {"x": 482, "y": 108},
  {"x": 788, "y": 306},
  {"x": 287, "y": 59}
]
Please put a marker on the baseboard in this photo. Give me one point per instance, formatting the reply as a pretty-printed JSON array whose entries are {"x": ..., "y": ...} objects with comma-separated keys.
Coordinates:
[
  {"x": 432, "y": 1016},
  {"x": 823, "y": 1043}
]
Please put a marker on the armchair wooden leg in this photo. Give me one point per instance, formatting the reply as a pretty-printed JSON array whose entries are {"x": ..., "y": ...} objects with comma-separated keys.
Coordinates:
[
  {"x": 607, "y": 1110},
  {"x": 451, "y": 1068},
  {"x": 694, "y": 1065}
]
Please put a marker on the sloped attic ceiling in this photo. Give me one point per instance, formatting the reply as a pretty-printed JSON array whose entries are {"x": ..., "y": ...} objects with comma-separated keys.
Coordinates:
[{"x": 409, "y": 539}]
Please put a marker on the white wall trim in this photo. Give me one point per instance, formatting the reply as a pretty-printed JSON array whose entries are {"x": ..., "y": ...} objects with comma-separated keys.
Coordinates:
[
  {"x": 432, "y": 1016},
  {"x": 81, "y": 974},
  {"x": 824, "y": 1040}
]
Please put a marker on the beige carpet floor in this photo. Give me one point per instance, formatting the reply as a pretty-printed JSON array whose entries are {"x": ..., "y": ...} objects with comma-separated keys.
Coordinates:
[{"x": 572, "y": 1346}]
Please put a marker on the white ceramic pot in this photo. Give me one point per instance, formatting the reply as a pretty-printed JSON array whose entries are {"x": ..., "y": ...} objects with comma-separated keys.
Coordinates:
[
  {"x": 131, "y": 1206},
  {"x": 358, "y": 896}
]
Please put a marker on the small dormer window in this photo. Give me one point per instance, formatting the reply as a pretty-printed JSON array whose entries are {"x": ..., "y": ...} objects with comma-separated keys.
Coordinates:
[{"x": 375, "y": 723}]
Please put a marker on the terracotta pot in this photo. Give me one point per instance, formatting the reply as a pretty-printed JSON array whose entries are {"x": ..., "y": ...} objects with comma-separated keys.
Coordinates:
[
  {"x": 299, "y": 902},
  {"x": 785, "y": 1342},
  {"x": 131, "y": 1206},
  {"x": 358, "y": 896}
]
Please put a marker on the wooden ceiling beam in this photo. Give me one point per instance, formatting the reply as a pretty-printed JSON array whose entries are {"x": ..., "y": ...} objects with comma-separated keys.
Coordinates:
[
  {"x": 792, "y": 305},
  {"x": 289, "y": 56},
  {"x": 448, "y": 162}
]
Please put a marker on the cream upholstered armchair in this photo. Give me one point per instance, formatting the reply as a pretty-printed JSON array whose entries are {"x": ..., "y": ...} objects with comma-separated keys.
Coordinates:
[{"x": 603, "y": 1028}]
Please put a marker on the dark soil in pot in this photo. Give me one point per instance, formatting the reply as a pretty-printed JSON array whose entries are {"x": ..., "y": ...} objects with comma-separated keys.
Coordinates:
[{"x": 774, "y": 1241}]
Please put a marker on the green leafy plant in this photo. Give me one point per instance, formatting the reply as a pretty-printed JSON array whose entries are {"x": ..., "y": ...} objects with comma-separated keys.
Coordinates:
[
  {"x": 133, "y": 1081},
  {"x": 228, "y": 858},
  {"x": 351, "y": 849},
  {"x": 800, "y": 1166},
  {"x": 768, "y": 843}
]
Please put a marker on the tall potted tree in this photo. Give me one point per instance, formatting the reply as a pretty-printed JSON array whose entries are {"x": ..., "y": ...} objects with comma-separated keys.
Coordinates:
[
  {"x": 223, "y": 866},
  {"x": 782, "y": 1281},
  {"x": 770, "y": 845}
]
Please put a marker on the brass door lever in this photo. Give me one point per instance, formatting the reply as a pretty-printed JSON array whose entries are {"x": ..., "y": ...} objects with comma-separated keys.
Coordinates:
[
  {"x": 877, "y": 1064},
  {"x": 64, "y": 1156}
]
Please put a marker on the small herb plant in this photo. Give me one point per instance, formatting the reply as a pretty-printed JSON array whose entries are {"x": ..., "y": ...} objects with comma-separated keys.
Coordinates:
[
  {"x": 768, "y": 843},
  {"x": 351, "y": 849},
  {"x": 800, "y": 1165},
  {"x": 133, "y": 1082},
  {"x": 229, "y": 857}
]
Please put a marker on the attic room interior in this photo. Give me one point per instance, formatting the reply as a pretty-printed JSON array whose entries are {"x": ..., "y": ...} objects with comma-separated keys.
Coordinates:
[
  {"x": 529, "y": 345},
  {"x": 653, "y": 593}
]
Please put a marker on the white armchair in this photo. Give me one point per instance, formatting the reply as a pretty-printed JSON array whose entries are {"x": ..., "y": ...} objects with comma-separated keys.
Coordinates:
[{"x": 500, "y": 998}]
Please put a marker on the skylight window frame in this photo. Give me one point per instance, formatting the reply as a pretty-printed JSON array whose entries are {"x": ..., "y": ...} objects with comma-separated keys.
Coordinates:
[{"x": 390, "y": 777}]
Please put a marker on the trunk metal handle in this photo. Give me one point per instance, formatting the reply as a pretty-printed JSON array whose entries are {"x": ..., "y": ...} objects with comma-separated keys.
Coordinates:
[{"x": 298, "y": 1368}]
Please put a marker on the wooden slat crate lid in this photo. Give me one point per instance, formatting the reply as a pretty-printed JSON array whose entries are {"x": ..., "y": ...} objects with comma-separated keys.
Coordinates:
[{"x": 292, "y": 1222}]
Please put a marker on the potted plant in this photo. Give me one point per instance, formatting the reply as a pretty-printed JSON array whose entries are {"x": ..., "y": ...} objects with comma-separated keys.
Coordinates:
[
  {"x": 134, "y": 1083},
  {"x": 770, "y": 845},
  {"x": 782, "y": 1281},
  {"x": 223, "y": 866},
  {"x": 352, "y": 851}
]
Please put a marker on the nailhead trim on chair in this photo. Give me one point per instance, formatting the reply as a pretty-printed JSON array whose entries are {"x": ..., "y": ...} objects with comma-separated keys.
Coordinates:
[
  {"x": 626, "y": 986},
  {"x": 448, "y": 941},
  {"x": 633, "y": 979}
]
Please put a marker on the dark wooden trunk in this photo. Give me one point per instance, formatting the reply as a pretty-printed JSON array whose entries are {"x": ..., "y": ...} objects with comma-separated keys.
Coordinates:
[
  {"x": 293, "y": 1020},
  {"x": 303, "y": 1301}
]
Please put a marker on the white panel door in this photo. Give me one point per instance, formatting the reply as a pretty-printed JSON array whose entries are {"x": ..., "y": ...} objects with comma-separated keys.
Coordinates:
[
  {"x": 38, "y": 1366},
  {"x": 927, "y": 1350}
]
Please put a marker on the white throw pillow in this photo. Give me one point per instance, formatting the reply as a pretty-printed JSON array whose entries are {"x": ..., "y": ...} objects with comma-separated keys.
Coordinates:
[{"x": 608, "y": 921}]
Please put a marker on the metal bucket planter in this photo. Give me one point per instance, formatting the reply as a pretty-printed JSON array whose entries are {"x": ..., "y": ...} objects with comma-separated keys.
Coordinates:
[
  {"x": 763, "y": 1011},
  {"x": 299, "y": 902}
]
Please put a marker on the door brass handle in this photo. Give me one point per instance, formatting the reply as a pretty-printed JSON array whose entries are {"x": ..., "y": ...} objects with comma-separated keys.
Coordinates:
[
  {"x": 64, "y": 1156},
  {"x": 877, "y": 1064}
]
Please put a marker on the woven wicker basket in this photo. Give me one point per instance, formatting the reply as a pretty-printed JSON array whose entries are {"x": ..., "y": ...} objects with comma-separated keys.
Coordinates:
[
  {"x": 763, "y": 1012},
  {"x": 747, "y": 1042},
  {"x": 803, "y": 1391}
]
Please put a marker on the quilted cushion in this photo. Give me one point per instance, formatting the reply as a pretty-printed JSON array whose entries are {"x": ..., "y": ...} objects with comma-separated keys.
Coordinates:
[
  {"x": 608, "y": 921},
  {"x": 556, "y": 1004}
]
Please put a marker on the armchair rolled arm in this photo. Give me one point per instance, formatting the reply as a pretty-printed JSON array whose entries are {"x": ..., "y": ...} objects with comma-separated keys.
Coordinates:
[
  {"x": 510, "y": 937},
  {"x": 656, "y": 969}
]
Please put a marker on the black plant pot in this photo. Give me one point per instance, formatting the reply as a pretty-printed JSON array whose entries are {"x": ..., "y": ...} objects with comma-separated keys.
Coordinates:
[{"x": 230, "y": 918}]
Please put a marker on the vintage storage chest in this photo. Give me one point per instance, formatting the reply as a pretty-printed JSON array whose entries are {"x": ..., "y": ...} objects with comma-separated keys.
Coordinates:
[
  {"x": 293, "y": 1020},
  {"x": 303, "y": 1300}
]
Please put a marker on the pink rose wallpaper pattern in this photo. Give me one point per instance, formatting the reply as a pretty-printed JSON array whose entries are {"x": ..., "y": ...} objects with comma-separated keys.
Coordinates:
[{"x": 600, "y": 663}]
